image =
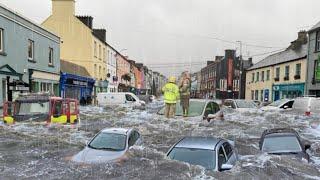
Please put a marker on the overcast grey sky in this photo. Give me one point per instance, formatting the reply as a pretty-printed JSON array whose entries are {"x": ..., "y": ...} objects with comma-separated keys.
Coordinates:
[{"x": 183, "y": 31}]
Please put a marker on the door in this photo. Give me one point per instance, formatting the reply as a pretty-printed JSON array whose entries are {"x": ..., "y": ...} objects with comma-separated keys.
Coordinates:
[
  {"x": 276, "y": 95},
  {"x": 59, "y": 110},
  {"x": 8, "y": 111}
]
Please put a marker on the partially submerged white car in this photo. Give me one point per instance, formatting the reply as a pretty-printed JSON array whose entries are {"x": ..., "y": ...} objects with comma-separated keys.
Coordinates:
[
  {"x": 109, "y": 145},
  {"x": 240, "y": 105},
  {"x": 201, "y": 109},
  {"x": 283, "y": 104}
]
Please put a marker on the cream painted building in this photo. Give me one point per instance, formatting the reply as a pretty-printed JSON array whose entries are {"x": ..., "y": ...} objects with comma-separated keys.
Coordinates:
[
  {"x": 281, "y": 75},
  {"x": 80, "y": 43}
]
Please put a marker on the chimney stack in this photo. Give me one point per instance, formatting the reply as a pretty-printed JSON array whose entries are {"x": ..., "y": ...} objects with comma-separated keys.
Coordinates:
[{"x": 63, "y": 7}]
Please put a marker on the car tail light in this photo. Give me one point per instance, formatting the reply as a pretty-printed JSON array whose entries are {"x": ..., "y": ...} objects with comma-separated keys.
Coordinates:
[{"x": 307, "y": 113}]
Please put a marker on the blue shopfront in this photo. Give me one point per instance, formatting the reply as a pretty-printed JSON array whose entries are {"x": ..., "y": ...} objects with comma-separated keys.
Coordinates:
[
  {"x": 281, "y": 91},
  {"x": 77, "y": 87}
]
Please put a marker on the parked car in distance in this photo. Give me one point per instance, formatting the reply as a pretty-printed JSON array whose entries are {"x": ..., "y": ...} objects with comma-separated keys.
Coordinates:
[
  {"x": 240, "y": 104},
  {"x": 122, "y": 98},
  {"x": 307, "y": 105},
  {"x": 212, "y": 153},
  {"x": 110, "y": 144},
  {"x": 281, "y": 104},
  {"x": 199, "y": 108},
  {"x": 283, "y": 141}
]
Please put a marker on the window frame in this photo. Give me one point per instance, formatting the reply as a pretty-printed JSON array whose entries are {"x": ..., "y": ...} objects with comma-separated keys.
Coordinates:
[
  {"x": 298, "y": 72},
  {"x": 1, "y": 40},
  {"x": 287, "y": 71},
  {"x": 278, "y": 72},
  {"x": 268, "y": 75},
  {"x": 32, "y": 50},
  {"x": 317, "y": 45},
  {"x": 51, "y": 58},
  {"x": 252, "y": 78},
  {"x": 258, "y": 78},
  {"x": 262, "y": 76}
]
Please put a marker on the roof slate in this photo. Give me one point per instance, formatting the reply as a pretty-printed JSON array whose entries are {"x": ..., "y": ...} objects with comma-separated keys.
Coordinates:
[
  {"x": 282, "y": 57},
  {"x": 72, "y": 68}
]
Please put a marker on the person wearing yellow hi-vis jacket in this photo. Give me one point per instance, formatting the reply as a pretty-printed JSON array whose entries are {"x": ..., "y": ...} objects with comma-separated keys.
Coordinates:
[{"x": 171, "y": 96}]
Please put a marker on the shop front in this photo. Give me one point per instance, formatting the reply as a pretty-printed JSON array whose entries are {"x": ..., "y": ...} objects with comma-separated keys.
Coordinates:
[
  {"x": 77, "y": 87},
  {"x": 44, "y": 82},
  {"x": 282, "y": 91}
]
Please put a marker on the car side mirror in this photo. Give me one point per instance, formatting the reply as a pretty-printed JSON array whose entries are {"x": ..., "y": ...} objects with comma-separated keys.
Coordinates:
[
  {"x": 307, "y": 146},
  {"x": 225, "y": 167}
]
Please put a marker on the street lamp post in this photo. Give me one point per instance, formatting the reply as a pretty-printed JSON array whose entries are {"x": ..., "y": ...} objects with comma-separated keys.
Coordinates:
[{"x": 240, "y": 70}]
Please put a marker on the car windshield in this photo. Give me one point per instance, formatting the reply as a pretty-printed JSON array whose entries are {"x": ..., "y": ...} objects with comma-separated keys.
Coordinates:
[
  {"x": 202, "y": 157},
  {"x": 25, "y": 108},
  {"x": 281, "y": 144},
  {"x": 195, "y": 109},
  {"x": 109, "y": 141},
  {"x": 245, "y": 104},
  {"x": 278, "y": 102}
]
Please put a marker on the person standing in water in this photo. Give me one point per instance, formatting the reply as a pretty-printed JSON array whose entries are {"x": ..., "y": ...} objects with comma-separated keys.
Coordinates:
[
  {"x": 171, "y": 95},
  {"x": 184, "y": 88}
]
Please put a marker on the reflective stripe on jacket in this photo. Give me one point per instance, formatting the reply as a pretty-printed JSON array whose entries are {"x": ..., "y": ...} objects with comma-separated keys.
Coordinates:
[{"x": 171, "y": 93}]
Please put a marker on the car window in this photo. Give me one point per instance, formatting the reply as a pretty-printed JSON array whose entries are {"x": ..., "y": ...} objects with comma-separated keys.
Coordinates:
[
  {"x": 134, "y": 136},
  {"x": 202, "y": 157},
  {"x": 221, "y": 157},
  {"x": 228, "y": 149},
  {"x": 215, "y": 107},
  {"x": 281, "y": 143},
  {"x": 109, "y": 141},
  {"x": 208, "y": 110},
  {"x": 288, "y": 104},
  {"x": 130, "y": 98}
]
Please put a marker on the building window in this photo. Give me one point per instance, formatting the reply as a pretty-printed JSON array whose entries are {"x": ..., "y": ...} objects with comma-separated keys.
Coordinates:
[
  {"x": 30, "y": 50},
  {"x": 318, "y": 41},
  {"x": 252, "y": 95},
  {"x": 1, "y": 41},
  {"x": 99, "y": 71},
  {"x": 317, "y": 70},
  {"x": 287, "y": 73},
  {"x": 268, "y": 75},
  {"x": 258, "y": 76},
  {"x": 252, "y": 80},
  {"x": 262, "y": 76},
  {"x": 95, "y": 70},
  {"x": 261, "y": 96},
  {"x": 99, "y": 51},
  {"x": 256, "y": 95},
  {"x": 278, "y": 72},
  {"x": 298, "y": 69},
  {"x": 104, "y": 54},
  {"x": 50, "y": 56},
  {"x": 95, "y": 49}
]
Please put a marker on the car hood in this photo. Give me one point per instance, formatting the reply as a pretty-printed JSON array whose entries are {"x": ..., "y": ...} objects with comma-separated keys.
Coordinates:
[{"x": 89, "y": 155}]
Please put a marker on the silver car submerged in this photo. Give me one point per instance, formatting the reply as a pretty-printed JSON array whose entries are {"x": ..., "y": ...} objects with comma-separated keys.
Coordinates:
[
  {"x": 109, "y": 145},
  {"x": 212, "y": 153}
]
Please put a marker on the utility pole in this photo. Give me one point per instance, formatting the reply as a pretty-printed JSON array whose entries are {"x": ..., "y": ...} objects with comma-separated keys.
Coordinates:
[{"x": 240, "y": 70}]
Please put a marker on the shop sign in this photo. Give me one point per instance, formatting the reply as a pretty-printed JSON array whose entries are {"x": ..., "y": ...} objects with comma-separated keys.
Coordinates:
[
  {"x": 76, "y": 82},
  {"x": 19, "y": 88}
]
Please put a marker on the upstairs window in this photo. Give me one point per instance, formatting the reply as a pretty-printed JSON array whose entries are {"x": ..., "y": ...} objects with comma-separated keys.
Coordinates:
[
  {"x": 50, "y": 56},
  {"x": 318, "y": 41},
  {"x": 298, "y": 69},
  {"x": 287, "y": 72},
  {"x": 252, "y": 77},
  {"x": 258, "y": 76},
  {"x": 268, "y": 75},
  {"x": 278, "y": 72},
  {"x": 30, "y": 50},
  {"x": 99, "y": 51},
  {"x": 1, "y": 41},
  {"x": 95, "y": 49},
  {"x": 262, "y": 76}
]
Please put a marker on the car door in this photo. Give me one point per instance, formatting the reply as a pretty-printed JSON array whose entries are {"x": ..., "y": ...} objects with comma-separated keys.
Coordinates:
[{"x": 230, "y": 153}]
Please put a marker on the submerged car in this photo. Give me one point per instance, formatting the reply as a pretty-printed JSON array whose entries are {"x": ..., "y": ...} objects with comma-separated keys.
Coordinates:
[
  {"x": 211, "y": 153},
  {"x": 199, "y": 108},
  {"x": 283, "y": 141},
  {"x": 110, "y": 144},
  {"x": 282, "y": 104},
  {"x": 240, "y": 104}
]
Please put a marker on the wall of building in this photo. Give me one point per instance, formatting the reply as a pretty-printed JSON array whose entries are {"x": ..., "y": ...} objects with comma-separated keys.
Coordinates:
[
  {"x": 259, "y": 86},
  {"x": 312, "y": 85},
  {"x": 17, "y": 31}
]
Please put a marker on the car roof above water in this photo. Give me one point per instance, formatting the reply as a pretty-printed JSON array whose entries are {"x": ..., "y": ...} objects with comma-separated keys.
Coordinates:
[
  {"x": 209, "y": 143},
  {"x": 123, "y": 131}
]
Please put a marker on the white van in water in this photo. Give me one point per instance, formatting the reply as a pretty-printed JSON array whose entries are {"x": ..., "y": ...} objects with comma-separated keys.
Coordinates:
[
  {"x": 307, "y": 105},
  {"x": 115, "y": 99}
]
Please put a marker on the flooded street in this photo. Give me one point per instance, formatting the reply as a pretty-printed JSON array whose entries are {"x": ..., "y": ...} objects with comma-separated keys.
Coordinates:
[{"x": 41, "y": 152}]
